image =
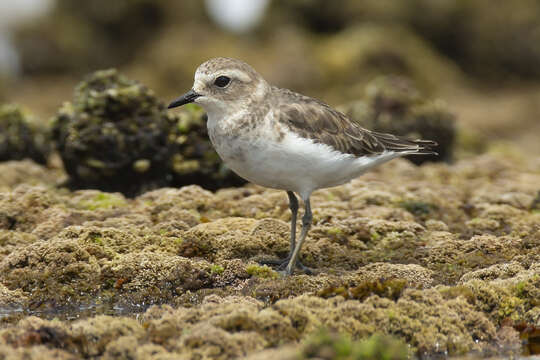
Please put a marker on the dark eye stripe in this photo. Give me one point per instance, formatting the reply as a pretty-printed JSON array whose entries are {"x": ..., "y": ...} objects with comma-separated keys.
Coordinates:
[{"x": 222, "y": 81}]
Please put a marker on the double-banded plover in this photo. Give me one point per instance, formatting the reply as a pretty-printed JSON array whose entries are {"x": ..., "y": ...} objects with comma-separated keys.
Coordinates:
[{"x": 280, "y": 139}]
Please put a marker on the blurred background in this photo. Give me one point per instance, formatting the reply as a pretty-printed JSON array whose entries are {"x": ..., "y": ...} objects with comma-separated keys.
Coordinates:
[{"x": 479, "y": 58}]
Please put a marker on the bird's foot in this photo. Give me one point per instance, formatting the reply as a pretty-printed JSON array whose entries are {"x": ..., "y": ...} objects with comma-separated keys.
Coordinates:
[{"x": 281, "y": 265}]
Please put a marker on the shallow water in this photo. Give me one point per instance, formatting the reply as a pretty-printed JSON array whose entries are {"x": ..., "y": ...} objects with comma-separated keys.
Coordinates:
[{"x": 73, "y": 312}]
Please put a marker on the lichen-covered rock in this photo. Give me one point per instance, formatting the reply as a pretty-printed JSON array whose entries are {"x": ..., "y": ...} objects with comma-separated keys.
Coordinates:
[
  {"x": 21, "y": 137},
  {"x": 115, "y": 136},
  {"x": 23, "y": 208},
  {"x": 393, "y": 105},
  {"x": 53, "y": 270},
  {"x": 423, "y": 319},
  {"x": 443, "y": 256}
]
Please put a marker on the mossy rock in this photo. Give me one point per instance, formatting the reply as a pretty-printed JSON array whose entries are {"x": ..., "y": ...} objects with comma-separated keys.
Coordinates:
[
  {"x": 115, "y": 136},
  {"x": 21, "y": 137}
]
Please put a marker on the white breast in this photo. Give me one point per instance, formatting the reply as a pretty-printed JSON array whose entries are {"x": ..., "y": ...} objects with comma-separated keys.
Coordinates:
[{"x": 291, "y": 163}]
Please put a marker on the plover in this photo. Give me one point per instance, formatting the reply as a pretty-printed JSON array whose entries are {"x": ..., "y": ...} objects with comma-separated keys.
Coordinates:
[{"x": 280, "y": 139}]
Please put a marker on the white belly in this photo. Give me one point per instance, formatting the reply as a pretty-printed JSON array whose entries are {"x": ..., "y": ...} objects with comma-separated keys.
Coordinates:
[{"x": 294, "y": 163}]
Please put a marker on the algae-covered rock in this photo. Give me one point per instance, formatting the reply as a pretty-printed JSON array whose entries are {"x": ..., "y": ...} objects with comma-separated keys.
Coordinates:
[
  {"x": 423, "y": 319},
  {"x": 21, "y": 137},
  {"x": 53, "y": 271},
  {"x": 394, "y": 105},
  {"x": 23, "y": 208},
  {"x": 115, "y": 136},
  {"x": 443, "y": 257}
]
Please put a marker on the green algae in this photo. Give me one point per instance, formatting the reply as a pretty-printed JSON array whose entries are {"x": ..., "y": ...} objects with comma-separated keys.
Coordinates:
[
  {"x": 327, "y": 345},
  {"x": 216, "y": 269},
  {"x": 103, "y": 201},
  {"x": 261, "y": 271}
]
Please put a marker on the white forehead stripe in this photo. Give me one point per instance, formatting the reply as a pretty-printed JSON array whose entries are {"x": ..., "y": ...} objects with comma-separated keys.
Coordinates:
[
  {"x": 232, "y": 73},
  {"x": 237, "y": 74}
]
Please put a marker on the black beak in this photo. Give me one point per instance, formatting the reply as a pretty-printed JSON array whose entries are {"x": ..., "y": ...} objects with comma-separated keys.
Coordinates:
[{"x": 187, "y": 98}]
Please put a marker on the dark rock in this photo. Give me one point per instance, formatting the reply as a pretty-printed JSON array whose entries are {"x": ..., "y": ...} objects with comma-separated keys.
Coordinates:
[
  {"x": 20, "y": 137},
  {"x": 115, "y": 136}
]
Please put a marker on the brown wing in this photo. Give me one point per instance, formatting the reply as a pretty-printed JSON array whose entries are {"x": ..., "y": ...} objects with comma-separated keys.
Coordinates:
[{"x": 315, "y": 120}]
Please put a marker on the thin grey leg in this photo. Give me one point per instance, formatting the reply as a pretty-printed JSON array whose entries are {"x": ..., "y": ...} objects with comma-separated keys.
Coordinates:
[
  {"x": 293, "y": 205},
  {"x": 306, "y": 225}
]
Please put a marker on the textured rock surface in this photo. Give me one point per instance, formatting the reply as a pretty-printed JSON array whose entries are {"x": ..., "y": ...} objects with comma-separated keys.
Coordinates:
[{"x": 447, "y": 261}]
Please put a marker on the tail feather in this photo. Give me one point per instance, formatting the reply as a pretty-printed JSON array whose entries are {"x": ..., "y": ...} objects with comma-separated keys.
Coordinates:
[{"x": 402, "y": 145}]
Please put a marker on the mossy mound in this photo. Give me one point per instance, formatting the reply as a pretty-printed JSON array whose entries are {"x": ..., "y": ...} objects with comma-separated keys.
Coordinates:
[
  {"x": 393, "y": 105},
  {"x": 115, "y": 136},
  {"x": 21, "y": 137}
]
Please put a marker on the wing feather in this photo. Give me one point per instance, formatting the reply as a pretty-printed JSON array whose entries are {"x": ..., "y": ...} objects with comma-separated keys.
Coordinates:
[{"x": 315, "y": 120}]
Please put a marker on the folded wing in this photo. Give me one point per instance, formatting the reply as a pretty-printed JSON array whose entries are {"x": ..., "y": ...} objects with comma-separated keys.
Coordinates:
[{"x": 315, "y": 120}]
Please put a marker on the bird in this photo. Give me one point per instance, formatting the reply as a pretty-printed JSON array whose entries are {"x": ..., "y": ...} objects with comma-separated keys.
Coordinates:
[{"x": 280, "y": 139}]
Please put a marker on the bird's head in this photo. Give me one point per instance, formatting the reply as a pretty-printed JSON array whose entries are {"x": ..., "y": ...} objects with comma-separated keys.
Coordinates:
[{"x": 223, "y": 86}]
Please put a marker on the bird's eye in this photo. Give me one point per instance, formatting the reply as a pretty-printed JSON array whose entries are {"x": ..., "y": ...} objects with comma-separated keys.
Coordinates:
[{"x": 222, "y": 81}]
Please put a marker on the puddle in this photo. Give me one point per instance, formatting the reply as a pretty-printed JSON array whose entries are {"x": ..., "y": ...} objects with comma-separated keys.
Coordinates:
[{"x": 72, "y": 312}]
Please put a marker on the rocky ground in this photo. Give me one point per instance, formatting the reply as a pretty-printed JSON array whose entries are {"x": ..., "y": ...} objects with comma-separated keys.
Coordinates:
[
  {"x": 443, "y": 258},
  {"x": 429, "y": 261}
]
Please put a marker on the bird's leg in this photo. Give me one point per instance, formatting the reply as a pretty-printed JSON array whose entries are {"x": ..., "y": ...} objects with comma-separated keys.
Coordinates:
[
  {"x": 306, "y": 225},
  {"x": 293, "y": 205}
]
